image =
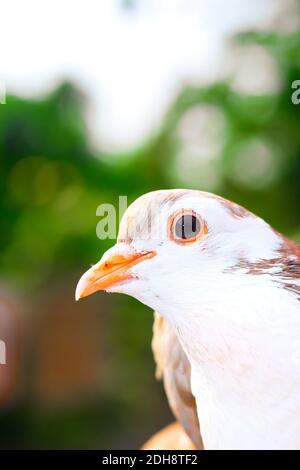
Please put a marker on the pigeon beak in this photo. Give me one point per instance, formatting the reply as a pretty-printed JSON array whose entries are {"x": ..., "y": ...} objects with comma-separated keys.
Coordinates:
[{"x": 112, "y": 269}]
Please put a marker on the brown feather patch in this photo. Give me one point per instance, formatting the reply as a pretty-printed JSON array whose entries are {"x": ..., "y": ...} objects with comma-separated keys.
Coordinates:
[{"x": 287, "y": 263}]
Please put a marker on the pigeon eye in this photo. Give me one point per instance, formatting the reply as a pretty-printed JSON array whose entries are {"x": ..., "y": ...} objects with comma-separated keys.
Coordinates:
[{"x": 186, "y": 226}]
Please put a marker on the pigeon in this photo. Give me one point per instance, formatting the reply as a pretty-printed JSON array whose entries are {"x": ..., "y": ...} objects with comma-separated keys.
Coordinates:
[{"x": 227, "y": 336}]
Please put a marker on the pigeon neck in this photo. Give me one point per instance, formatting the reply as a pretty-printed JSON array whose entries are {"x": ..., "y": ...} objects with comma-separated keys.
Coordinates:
[
  {"x": 245, "y": 371},
  {"x": 253, "y": 414}
]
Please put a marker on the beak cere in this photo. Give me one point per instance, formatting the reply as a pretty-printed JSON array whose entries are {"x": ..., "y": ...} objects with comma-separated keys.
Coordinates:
[{"x": 111, "y": 271}]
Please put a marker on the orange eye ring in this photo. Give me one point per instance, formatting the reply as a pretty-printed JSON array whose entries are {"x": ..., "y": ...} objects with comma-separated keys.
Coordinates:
[{"x": 185, "y": 227}]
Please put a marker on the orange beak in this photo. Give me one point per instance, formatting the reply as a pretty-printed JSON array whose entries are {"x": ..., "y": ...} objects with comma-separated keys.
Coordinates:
[{"x": 113, "y": 270}]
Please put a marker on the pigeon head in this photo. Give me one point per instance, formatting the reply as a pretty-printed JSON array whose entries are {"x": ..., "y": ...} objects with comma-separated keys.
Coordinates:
[
  {"x": 180, "y": 249},
  {"x": 228, "y": 286}
]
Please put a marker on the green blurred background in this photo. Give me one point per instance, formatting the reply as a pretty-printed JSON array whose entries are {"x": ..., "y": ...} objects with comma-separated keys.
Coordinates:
[{"x": 81, "y": 375}]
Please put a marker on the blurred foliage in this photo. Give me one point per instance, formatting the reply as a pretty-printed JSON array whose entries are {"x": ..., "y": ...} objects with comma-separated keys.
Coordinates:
[{"x": 51, "y": 184}]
